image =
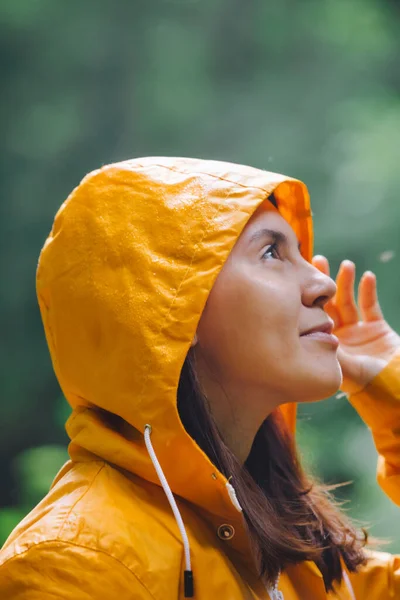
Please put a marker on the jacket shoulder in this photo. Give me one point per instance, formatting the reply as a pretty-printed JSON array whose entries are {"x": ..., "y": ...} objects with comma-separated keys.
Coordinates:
[
  {"x": 379, "y": 578},
  {"x": 59, "y": 569},
  {"x": 97, "y": 512}
]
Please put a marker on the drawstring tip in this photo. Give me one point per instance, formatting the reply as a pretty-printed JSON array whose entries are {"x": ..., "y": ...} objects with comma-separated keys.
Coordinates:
[{"x": 188, "y": 584}]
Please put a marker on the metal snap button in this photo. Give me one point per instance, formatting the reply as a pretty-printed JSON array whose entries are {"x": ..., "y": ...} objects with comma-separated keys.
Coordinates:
[{"x": 225, "y": 532}]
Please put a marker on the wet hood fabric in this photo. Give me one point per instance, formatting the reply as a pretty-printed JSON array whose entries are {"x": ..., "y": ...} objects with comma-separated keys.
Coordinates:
[{"x": 122, "y": 281}]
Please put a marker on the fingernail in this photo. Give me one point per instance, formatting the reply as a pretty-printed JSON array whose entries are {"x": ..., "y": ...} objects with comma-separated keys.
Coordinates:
[{"x": 347, "y": 263}]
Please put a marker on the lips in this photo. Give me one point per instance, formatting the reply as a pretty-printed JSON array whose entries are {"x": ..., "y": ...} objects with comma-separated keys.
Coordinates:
[
  {"x": 322, "y": 333},
  {"x": 326, "y": 327}
]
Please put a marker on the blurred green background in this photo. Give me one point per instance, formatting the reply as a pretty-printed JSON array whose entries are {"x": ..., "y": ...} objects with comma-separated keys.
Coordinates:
[{"x": 309, "y": 88}]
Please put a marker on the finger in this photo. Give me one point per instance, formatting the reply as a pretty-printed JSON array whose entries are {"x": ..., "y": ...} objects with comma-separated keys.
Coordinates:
[
  {"x": 332, "y": 311},
  {"x": 368, "y": 298},
  {"x": 321, "y": 263},
  {"x": 344, "y": 299}
]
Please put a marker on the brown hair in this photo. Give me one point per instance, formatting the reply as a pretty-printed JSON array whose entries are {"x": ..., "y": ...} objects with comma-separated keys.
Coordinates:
[{"x": 290, "y": 517}]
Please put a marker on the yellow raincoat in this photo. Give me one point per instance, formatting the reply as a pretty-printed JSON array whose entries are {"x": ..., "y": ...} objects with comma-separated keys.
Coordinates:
[{"x": 122, "y": 280}]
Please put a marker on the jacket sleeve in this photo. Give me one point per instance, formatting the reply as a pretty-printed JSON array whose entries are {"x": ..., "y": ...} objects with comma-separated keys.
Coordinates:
[
  {"x": 379, "y": 407},
  {"x": 58, "y": 569}
]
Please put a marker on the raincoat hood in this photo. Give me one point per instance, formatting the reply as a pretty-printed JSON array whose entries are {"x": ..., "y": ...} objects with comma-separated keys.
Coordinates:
[{"x": 122, "y": 281}]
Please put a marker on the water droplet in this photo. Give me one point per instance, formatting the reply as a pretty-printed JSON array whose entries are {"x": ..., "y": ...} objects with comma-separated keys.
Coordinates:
[{"x": 386, "y": 256}]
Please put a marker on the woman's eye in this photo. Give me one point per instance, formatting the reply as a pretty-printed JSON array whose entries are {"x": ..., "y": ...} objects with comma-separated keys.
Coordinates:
[{"x": 271, "y": 250}]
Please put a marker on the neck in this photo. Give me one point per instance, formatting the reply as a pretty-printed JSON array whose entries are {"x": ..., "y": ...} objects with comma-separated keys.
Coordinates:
[{"x": 238, "y": 410}]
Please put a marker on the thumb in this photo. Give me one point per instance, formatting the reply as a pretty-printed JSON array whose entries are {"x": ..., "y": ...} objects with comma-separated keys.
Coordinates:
[
  {"x": 358, "y": 370},
  {"x": 351, "y": 366}
]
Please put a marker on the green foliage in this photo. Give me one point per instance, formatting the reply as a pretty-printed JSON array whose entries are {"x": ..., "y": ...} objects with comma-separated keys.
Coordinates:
[
  {"x": 306, "y": 88},
  {"x": 34, "y": 469}
]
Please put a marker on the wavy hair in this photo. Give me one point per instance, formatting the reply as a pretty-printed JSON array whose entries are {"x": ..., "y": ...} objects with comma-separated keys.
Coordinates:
[{"x": 290, "y": 516}]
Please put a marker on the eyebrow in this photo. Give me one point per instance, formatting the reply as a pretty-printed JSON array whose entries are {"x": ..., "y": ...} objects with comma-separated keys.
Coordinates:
[{"x": 276, "y": 236}]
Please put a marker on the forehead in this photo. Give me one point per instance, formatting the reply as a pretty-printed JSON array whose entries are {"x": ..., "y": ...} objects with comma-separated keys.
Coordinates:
[{"x": 267, "y": 217}]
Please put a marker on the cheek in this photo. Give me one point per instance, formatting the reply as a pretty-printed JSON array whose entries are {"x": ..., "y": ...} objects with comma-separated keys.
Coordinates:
[{"x": 248, "y": 323}]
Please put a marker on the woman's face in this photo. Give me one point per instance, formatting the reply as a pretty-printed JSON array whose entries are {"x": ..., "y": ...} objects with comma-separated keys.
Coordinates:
[{"x": 250, "y": 334}]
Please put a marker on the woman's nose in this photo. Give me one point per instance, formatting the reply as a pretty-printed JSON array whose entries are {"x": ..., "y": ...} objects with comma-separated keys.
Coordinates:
[{"x": 318, "y": 288}]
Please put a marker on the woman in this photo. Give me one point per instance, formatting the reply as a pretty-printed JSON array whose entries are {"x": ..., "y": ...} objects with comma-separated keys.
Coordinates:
[{"x": 186, "y": 318}]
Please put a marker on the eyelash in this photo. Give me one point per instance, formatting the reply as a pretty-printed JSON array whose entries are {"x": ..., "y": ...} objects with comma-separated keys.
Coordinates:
[{"x": 273, "y": 248}]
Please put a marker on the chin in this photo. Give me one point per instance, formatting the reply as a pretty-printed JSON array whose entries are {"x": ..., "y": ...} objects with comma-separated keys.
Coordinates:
[{"x": 323, "y": 382}]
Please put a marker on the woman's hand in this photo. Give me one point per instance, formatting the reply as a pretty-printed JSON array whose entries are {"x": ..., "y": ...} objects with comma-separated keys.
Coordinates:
[{"x": 367, "y": 342}]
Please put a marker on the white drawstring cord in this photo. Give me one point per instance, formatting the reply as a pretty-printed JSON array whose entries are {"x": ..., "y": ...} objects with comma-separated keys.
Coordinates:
[
  {"x": 233, "y": 497},
  {"x": 274, "y": 593},
  {"x": 348, "y": 584},
  {"x": 189, "y": 593}
]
